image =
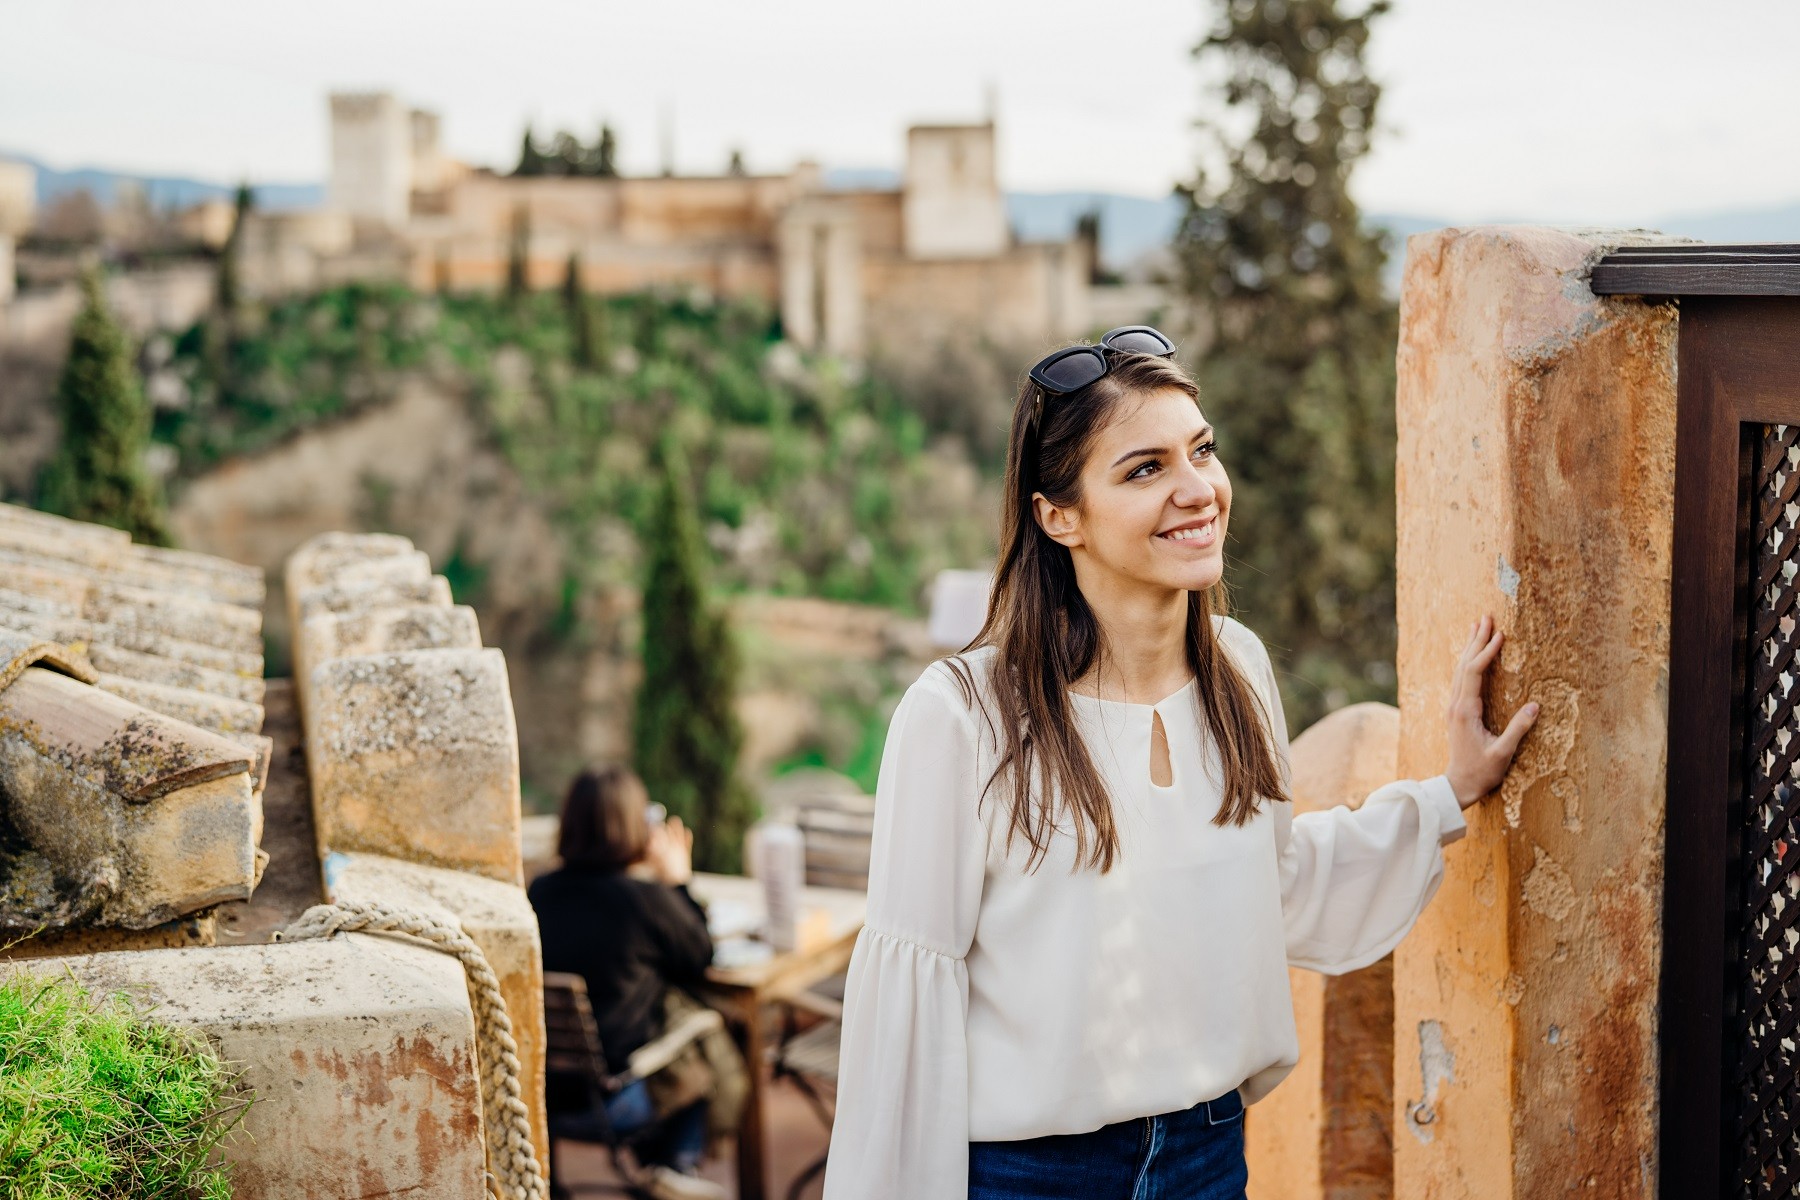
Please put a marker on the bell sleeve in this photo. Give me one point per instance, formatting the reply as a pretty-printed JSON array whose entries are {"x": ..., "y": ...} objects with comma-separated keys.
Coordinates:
[
  {"x": 1353, "y": 880},
  {"x": 902, "y": 1126}
]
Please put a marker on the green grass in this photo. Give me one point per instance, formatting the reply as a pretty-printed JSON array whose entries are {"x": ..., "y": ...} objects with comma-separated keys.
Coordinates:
[{"x": 99, "y": 1100}]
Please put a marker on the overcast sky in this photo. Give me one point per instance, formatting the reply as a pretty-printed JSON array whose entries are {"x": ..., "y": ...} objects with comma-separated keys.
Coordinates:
[{"x": 1601, "y": 111}]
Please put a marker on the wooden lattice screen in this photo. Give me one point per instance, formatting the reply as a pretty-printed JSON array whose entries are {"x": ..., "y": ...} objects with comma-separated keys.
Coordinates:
[{"x": 1766, "y": 1020}]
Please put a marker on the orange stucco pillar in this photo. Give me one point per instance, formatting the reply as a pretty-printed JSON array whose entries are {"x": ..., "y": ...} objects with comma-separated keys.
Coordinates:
[
  {"x": 1535, "y": 480},
  {"x": 1324, "y": 1134}
]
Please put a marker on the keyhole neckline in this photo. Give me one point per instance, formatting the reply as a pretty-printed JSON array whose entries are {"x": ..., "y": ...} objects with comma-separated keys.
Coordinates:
[{"x": 1133, "y": 704}]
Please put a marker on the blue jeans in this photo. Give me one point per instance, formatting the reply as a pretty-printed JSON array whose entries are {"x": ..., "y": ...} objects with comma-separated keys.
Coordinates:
[
  {"x": 1197, "y": 1154},
  {"x": 681, "y": 1143}
]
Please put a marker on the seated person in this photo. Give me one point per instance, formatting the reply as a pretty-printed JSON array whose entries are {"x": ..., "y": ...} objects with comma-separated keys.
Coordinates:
[{"x": 631, "y": 939}]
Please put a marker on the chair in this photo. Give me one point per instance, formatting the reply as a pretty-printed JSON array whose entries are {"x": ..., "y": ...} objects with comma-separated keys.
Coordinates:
[
  {"x": 572, "y": 1051},
  {"x": 836, "y": 829},
  {"x": 809, "y": 1057}
]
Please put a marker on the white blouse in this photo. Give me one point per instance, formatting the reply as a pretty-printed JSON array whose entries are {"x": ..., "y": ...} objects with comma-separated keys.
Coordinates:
[{"x": 988, "y": 1004}]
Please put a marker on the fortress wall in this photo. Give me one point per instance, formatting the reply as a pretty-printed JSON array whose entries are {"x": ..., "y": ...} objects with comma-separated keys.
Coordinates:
[{"x": 1034, "y": 295}]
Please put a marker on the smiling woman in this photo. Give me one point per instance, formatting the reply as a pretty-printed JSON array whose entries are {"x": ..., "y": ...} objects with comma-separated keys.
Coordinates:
[{"x": 1087, "y": 882}]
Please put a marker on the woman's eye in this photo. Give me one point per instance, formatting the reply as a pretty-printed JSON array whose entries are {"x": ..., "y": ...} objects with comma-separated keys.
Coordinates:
[
  {"x": 1205, "y": 450},
  {"x": 1137, "y": 473}
]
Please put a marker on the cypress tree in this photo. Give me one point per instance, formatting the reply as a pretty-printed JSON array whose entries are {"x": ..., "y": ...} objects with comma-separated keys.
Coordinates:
[
  {"x": 517, "y": 251},
  {"x": 230, "y": 291},
  {"x": 98, "y": 472},
  {"x": 606, "y": 154},
  {"x": 531, "y": 160},
  {"x": 685, "y": 730},
  {"x": 585, "y": 331},
  {"x": 1299, "y": 376}
]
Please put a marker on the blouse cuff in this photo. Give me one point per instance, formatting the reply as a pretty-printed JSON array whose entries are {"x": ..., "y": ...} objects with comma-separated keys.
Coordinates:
[{"x": 1451, "y": 822}]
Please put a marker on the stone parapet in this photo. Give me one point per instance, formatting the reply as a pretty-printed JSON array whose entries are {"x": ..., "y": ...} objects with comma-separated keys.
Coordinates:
[
  {"x": 496, "y": 916},
  {"x": 360, "y": 1053},
  {"x": 1535, "y": 482},
  {"x": 411, "y": 740},
  {"x": 1324, "y": 1133},
  {"x": 413, "y": 761}
]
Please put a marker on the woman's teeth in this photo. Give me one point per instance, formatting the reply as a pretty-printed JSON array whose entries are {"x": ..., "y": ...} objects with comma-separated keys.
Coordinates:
[{"x": 1202, "y": 533}]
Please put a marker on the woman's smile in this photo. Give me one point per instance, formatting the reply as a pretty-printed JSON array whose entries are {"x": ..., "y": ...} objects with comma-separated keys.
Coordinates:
[{"x": 1199, "y": 533}]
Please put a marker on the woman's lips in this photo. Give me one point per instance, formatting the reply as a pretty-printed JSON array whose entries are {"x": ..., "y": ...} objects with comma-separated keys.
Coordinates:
[{"x": 1198, "y": 536}]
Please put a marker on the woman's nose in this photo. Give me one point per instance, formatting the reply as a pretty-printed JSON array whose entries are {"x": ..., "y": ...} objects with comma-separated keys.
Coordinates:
[{"x": 1193, "y": 489}]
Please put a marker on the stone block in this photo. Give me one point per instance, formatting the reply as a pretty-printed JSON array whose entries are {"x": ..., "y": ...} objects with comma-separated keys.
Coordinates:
[
  {"x": 1325, "y": 1133},
  {"x": 362, "y": 595},
  {"x": 415, "y": 755},
  {"x": 131, "y": 818},
  {"x": 360, "y": 1051},
  {"x": 1535, "y": 478},
  {"x": 317, "y": 561},
  {"x": 326, "y": 636},
  {"x": 496, "y": 916}
]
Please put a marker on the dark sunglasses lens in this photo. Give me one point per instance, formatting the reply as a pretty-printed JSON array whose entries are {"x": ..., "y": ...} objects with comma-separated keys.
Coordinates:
[
  {"x": 1072, "y": 372},
  {"x": 1139, "y": 341}
]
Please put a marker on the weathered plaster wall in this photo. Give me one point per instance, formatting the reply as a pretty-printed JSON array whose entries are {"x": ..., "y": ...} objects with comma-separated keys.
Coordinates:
[
  {"x": 1535, "y": 479},
  {"x": 360, "y": 1052},
  {"x": 1324, "y": 1133},
  {"x": 496, "y": 916}
]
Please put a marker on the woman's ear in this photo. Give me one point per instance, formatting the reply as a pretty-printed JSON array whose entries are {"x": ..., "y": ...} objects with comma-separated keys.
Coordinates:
[{"x": 1062, "y": 525}]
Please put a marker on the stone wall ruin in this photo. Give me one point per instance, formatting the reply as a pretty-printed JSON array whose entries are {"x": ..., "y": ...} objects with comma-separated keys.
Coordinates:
[{"x": 134, "y": 769}]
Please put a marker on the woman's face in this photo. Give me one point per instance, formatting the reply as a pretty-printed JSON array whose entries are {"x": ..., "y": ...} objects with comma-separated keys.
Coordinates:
[{"x": 1154, "y": 498}]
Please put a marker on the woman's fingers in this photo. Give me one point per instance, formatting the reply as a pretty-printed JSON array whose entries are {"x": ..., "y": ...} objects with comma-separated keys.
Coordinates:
[
  {"x": 1484, "y": 655},
  {"x": 1516, "y": 729}
]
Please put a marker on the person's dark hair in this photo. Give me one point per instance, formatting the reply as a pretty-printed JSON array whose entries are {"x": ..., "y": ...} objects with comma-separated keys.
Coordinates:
[
  {"x": 1048, "y": 637},
  {"x": 603, "y": 821}
]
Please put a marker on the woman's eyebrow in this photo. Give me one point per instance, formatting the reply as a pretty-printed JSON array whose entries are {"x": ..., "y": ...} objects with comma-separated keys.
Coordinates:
[{"x": 1206, "y": 431}]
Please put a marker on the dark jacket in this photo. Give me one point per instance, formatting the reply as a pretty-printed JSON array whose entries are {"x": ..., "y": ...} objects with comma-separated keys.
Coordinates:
[{"x": 629, "y": 938}]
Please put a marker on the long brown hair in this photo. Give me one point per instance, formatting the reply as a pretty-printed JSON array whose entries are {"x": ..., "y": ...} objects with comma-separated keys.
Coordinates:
[{"x": 1048, "y": 638}]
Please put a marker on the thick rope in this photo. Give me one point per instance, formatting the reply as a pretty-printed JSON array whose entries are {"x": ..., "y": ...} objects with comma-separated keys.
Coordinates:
[{"x": 513, "y": 1170}]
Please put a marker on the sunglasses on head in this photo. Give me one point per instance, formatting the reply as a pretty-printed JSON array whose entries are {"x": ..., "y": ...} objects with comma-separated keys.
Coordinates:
[{"x": 1075, "y": 367}]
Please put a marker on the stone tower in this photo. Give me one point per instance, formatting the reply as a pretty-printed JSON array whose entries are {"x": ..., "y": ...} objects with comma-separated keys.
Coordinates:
[
  {"x": 952, "y": 206},
  {"x": 371, "y": 157},
  {"x": 18, "y": 207}
]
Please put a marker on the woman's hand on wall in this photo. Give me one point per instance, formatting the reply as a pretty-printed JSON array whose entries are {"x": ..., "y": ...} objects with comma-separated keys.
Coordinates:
[
  {"x": 670, "y": 852},
  {"x": 1478, "y": 759}
]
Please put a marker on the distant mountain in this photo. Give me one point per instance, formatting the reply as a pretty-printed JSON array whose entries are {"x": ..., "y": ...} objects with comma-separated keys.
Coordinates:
[
  {"x": 164, "y": 191},
  {"x": 1130, "y": 226}
]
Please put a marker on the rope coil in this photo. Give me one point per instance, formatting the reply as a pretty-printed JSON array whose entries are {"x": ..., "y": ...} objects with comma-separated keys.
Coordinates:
[{"x": 513, "y": 1169}]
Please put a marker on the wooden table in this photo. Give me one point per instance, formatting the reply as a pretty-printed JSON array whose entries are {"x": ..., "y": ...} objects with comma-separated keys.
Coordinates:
[{"x": 745, "y": 993}]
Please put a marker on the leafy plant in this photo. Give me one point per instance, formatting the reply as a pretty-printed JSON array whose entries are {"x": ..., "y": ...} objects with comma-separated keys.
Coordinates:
[{"x": 97, "y": 1099}]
